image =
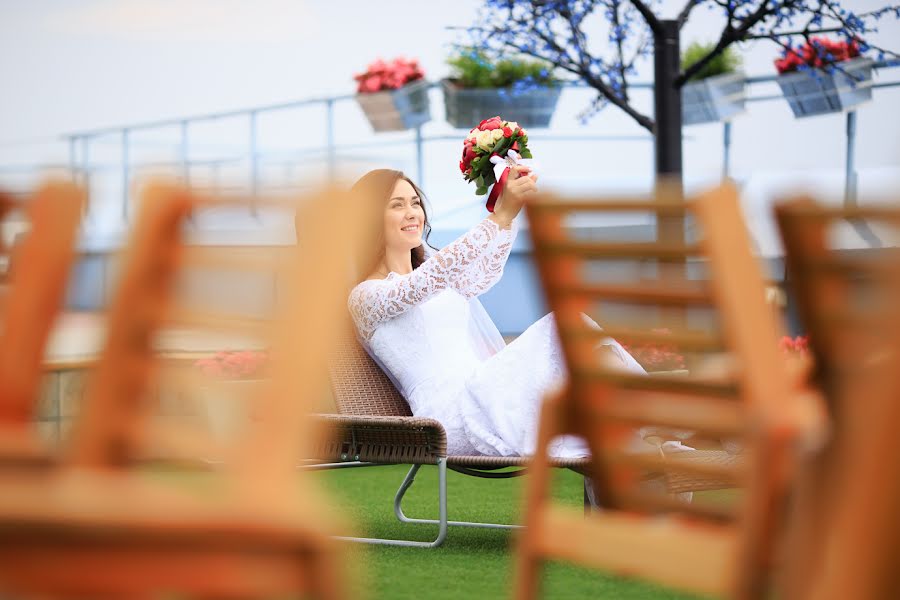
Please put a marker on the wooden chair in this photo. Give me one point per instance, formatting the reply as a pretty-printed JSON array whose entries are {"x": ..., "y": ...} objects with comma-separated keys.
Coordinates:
[
  {"x": 703, "y": 546},
  {"x": 845, "y": 523},
  {"x": 96, "y": 527},
  {"x": 34, "y": 282}
]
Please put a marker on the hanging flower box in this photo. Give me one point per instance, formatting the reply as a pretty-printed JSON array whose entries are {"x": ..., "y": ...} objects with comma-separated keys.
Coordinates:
[
  {"x": 812, "y": 90},
  {"x": 713, "y": 99},
  {"x": 235, "y": 378},
  {"x": 715, "y": 92},
  {"x": 465, "y": 106},
  {"x": 520, "y": 89},
  {"x": 394, "y": 96}
]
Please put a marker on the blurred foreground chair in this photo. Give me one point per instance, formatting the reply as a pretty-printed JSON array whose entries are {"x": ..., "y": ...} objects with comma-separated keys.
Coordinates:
[
  {"x": 97, "y": 526},
  {"x": 845, "y": 526},
  {"x": 709, "y": 294},
  {"x": 34, "y": 285}
]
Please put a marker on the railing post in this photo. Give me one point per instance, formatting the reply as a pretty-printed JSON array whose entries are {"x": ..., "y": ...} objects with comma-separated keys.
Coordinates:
[
  {"x": 420, "y": 171},
  {"x": 726, "y": 149},
  {"x": 125, "y": 174},
  {"x": 185, "y": 162},
  {"x": 850, "y": 170},
  {"x": 254, "y": 154},
  {"x": 73, "y": 157},
  {"x": 86, "y": 162},
  {"x": 329, "y": 137}
]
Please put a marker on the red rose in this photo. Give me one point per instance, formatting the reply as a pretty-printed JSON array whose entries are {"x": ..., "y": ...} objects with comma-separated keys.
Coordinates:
[
  {"x": 462, "y": 166},
  {"x": 490, "y": 124},
  {"x": 507, "y": 132},
  {"x": 469, "y": 154}
]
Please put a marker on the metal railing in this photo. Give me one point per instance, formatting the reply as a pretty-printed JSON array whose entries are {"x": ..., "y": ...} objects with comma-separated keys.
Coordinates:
[{"x": 81, "y": 165}]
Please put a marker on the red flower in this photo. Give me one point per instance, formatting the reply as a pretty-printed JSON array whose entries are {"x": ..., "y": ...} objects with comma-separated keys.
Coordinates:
[
  {"x": 233, "y": 365},
  {"x": 468, "y": 155},
  {"x": 817, "y": 53},
  {"x": 491, "y": 124},
  {"x": 388, "y": 76},
  {"x": 507, "y": 132}
]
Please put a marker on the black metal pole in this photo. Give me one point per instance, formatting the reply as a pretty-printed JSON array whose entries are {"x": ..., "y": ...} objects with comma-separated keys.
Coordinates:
[
  {"x": 667, "y": 100},
  {"x": 667, "y": 104}
]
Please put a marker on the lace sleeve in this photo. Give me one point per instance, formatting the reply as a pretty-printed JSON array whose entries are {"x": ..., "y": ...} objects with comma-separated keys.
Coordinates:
[
  {"x": 483, "y": 273},
  {"x": 470, "y": 265}
]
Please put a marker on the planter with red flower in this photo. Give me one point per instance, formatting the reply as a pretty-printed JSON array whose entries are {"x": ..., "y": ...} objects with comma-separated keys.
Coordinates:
[
  {"x": 394, "y": 95},
  {"x": 233, "y": 380},
  {"x": 658, "y": 358},
  {"x": 824, "y": 76}
]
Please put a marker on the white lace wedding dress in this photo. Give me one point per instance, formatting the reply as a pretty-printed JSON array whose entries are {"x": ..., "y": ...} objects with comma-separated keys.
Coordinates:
[{"x": 422, "y": 329}]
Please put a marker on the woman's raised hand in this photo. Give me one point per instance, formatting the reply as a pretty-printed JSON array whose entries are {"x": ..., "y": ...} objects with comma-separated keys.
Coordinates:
[{"x": 521, "y": 184}]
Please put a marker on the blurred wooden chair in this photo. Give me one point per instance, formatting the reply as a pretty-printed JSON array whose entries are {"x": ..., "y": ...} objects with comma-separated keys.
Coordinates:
[
  {"x": 845, "y": 533},
  {"x": 702, "y": 546},
  {"x": 34, "y": 284},
  {"x": 97, "y": 526}
]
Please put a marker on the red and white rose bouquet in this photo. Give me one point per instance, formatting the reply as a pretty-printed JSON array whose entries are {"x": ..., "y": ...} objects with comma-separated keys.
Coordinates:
[{"x": 489, "y": 151}]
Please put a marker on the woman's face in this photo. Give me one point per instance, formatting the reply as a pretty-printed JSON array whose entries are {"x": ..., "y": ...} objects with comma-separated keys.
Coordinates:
[{"x": 404, "y": 218}]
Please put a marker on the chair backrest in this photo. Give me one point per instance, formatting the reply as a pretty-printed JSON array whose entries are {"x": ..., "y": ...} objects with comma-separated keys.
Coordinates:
[
  {"x": 704, "y": 298},
  {"x": 266, "y": 521},
  {"x": 845, "y": 511},
  {"x": 37, "y": 279},
  {"x": 358, "y": 384}
]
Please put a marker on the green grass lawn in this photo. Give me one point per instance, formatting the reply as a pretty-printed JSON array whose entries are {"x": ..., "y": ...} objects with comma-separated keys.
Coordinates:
[{"x": 472, "y": 563}]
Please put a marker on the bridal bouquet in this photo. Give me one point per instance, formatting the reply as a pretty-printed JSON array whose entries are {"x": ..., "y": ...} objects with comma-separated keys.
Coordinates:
[{"x": 489, "y": 151}]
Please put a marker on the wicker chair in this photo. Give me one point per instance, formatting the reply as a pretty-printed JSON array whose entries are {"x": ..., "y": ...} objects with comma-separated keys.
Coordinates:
[
  {"x": 703, "y": 546},
  {"x": 374, "y": 426},
  {"x": 845, "y": 522}
]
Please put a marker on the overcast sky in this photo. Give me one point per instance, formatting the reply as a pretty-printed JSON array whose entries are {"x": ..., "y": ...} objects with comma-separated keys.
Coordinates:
[{"x": 76, "y": 65}]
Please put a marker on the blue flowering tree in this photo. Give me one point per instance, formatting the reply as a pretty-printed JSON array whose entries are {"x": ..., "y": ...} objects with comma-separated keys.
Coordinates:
[{"x": 601, "y": 42}]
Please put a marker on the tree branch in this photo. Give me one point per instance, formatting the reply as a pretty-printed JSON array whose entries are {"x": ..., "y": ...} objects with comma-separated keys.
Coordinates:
[
  {"x": 686, "y": 12},
  {"x": 648, "y": 15},
  {"x": 617, "y": 25},
  {"x": 728, "y": 37}
]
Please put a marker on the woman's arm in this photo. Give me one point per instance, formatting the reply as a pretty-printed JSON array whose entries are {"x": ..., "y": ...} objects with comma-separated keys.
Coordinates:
[{"x": 457, "y": 266}]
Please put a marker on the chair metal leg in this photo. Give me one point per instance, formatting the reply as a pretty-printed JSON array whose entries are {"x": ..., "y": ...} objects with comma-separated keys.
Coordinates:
[
  {"x": 407, "y": 483},
  {"x": 442, "y": 512}
]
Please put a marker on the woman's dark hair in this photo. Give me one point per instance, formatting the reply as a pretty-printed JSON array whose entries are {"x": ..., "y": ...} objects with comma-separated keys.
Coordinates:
[{"x": 376, "y": 186}]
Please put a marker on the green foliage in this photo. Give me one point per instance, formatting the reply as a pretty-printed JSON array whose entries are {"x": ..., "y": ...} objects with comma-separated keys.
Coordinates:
[
  {"x": 473, "y": 69},
  {"x": 726, "y": 62}
]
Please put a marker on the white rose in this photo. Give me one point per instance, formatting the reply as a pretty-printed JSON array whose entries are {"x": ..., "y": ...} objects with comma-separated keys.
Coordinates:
[
  {"x": 473, "y": 134},
  {"x": 497, "y": 134},
  {"x": 512, "y": 125},
  {"x": 485, "y": 140}
]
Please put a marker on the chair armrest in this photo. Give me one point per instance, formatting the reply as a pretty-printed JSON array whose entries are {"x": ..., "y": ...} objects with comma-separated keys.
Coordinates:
[{"x": 380, "y": 439}]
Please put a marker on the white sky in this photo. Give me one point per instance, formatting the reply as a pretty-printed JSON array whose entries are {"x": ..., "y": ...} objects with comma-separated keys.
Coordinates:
[{"x": 77, "y": 65}]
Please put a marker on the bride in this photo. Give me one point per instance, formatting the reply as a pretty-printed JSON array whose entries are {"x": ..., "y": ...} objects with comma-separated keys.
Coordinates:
[{"x": 417, "y": 314}]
